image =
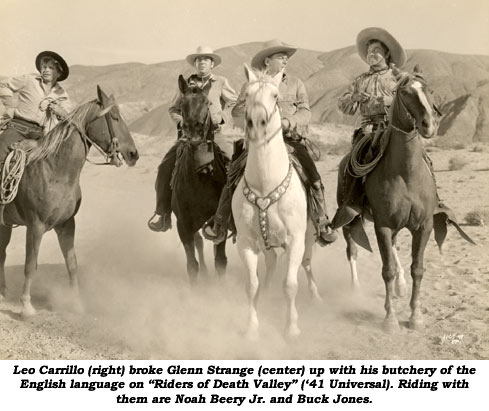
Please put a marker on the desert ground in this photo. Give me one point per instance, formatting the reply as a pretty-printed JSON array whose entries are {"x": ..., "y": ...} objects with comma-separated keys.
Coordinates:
[{"x": 139, "y": 304}]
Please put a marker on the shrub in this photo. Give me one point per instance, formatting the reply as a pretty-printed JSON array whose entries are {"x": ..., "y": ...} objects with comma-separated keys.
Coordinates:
[
  {"x": 457, "y": 163},
  {"x": 477, "y": 217}
]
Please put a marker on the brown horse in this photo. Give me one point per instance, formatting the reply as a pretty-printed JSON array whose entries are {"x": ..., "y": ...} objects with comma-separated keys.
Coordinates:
[
  {"x": 401, "y": 193},
  {"x": 195, "y": 195},
  {"x": 49, "y": 194}
]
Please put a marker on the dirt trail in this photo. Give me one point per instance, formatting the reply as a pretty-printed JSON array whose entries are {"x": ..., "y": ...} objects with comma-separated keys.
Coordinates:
[{"x": 139, "y": 305}]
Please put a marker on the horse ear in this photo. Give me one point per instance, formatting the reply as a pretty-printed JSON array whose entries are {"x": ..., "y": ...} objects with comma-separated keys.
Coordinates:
[
  {"x": 102, "y": 97},
  {"x": 182, "y": 84},
  {"x": 277, "y": 79},
  {"x": 250, "y": 75},
  {"x": 417, "y": 70}
]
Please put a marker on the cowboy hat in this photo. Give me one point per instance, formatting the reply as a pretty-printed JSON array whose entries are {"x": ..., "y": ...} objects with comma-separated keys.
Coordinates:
[
  {"x": 204, "y": 51},
  {"x": 65, "y": 71},
  {"x": 398, "y": 55},
  {"x": 269, "y": 49}
]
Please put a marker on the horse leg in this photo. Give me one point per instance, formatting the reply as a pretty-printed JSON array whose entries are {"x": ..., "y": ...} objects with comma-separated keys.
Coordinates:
[
  {"x": 271, "y": 266},
  {"x": 192, "y": 264},
  {"x": 306, "y": 264},
  {"x": 34, "y": 235},
  {"x": 199, "y": 245},
  {"x": 5, "y": 234},
  {"x": 250, "y": 259},
  {"x": 384, "y": 240},
  {"x": 66, "y": 240},
  {"x": 352, "y": 255},
  {"x": 420, "y": 239},
  {"x": 401, "y": 286},
  {"x": 295, "y": 253},
  {"x": 220, "y": 259}
]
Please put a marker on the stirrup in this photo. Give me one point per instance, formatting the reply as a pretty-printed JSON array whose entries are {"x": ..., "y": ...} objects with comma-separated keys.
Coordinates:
[
  {"x": 160, "y": 225},
  {"x": 217, "y": 238}
]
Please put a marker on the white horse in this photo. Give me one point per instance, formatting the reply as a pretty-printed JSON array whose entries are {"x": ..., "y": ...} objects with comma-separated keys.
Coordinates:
[{"x": 269, "y": 204}]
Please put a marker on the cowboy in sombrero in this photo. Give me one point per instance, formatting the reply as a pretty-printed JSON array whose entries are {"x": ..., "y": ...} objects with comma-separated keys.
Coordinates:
[
  {"x": 296, "y": 114},
  {"x": 371, "y": 93},
  {"x": 42, "y": 101},
  {"x": 221, "y": 95}
]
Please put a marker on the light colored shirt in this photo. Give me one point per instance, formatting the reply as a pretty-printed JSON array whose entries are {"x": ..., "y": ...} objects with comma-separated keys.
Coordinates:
[
  {"x": 221, "y": 95},
  {"x": 33, "y": 99},
  {"x": 379, "y": 84},
  {"x": 292, "y": 102}
]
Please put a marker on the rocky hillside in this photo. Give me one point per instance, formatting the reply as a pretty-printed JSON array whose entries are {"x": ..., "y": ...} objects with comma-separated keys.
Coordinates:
[{"x": 461, "y": 83}]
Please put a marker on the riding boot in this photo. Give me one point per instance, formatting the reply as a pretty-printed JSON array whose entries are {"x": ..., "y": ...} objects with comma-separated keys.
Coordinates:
[
  {"x": 216, "y": 228},
  {"x": 325, "y": 234},
  {"x": 350, "y": 205},
  {"x": 161, "y": 220}
]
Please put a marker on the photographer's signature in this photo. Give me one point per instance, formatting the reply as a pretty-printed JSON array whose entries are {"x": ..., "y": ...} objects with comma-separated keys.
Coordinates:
[{"x": 452, "y": 338}]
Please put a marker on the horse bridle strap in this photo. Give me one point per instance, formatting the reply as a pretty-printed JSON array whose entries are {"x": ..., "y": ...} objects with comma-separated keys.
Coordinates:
[
  {"x": 263, "y": 203},
  {"x": 111, "y": 155}
]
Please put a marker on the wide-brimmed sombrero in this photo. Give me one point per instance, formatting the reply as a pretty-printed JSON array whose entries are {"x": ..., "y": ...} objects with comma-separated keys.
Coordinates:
[
  {"x": 206, "y": 52},
  {"x": 270, "y": 48},
  {"x": 64, "y": 67},
  {"x": 398, "y": 55}
]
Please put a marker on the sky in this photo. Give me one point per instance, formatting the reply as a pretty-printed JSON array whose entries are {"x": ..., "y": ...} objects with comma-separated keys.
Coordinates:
[{"x": 101, "y": 32}]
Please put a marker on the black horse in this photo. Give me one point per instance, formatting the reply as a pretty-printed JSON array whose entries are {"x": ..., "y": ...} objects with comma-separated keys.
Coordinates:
[{"x": 198, "y": 179}]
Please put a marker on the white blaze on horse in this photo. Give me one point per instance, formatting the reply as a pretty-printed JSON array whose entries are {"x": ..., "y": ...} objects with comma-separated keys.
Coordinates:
[{"x": 269, "y": 204}]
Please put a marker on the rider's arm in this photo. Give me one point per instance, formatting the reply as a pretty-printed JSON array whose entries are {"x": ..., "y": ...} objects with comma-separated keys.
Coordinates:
[
  {"x": 346, "y": 103},
  {"x": 175, "y": 111},
  {"x": 302, "y": 115},
  {"x": 228, "y": 94},
  {"x": 7, "y": 89},
  {"x": 238, "y": 111}
]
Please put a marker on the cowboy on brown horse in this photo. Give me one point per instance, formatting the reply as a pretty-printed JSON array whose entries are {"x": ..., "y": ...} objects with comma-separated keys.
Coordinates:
[
  {"x": 296, "y": 114},
  {"x": 42, "y": 101},
  {"x": 220, "y": 95},
  {"x": 372, "y": 94}
]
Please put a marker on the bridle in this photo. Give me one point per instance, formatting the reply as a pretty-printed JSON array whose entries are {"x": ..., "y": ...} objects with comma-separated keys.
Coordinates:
[
  {"x": 262, "y": 83},
  {"x": 110, "y": 156},
  {"x": 403, "y": 105}
]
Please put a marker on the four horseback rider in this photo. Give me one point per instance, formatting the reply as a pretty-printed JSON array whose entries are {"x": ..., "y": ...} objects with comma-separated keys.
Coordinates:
[
  {"x": 221, "y": 95},
  {"x": 42, "y": 101},
  {"x": 372, "y": 93},
  {"x": 296, "y": 114}
]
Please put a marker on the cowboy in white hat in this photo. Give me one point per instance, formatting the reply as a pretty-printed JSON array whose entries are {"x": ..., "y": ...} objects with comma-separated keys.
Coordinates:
[
  {"x": 371, "y": 93},
  {"x": 296, "y": 114},
  {"x": 221, "y": 96},
  {"x": 41, "y": 101}
]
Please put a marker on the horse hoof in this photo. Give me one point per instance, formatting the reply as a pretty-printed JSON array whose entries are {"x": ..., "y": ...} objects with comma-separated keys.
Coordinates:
[
  {"x": 391, "y": 325},
  {"x": 401, "y": 290},
  {"x": 416, "y": 324},
  {"x": 293, "y": 332},
  {"x": 27, "y": 312},
  {"x": 317, "y": 299}
]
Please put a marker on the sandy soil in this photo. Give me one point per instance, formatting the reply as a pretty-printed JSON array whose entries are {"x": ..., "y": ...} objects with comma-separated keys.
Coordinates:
[{"x": 139, "y": 304}]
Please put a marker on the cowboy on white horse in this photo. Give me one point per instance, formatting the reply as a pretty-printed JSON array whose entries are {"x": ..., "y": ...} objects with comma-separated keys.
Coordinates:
[
  {"x": 221, "y": 96},
  {"x": 296, "y": 114}
]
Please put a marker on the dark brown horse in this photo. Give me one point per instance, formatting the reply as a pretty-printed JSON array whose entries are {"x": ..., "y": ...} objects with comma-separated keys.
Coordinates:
[
  {"x": 401, "y": 193},
  {"x": 49, "y": 194},
  {"x": 195, "y": 195}
]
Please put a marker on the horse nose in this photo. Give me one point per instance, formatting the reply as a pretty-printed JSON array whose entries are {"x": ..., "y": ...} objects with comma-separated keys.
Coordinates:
[{"x": 134, "y": 155}]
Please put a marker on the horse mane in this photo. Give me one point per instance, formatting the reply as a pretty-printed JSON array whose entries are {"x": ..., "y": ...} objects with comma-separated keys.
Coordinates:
[{"x": 50, "y": 143}]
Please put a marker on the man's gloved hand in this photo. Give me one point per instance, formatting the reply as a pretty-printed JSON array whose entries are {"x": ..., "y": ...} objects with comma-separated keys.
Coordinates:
[{"x": 285, "y": 124}]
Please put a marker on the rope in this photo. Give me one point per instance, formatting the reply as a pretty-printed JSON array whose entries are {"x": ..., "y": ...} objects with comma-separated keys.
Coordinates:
[
  {"x": 12, "y": 172},
  {"x": 359, "y": 151}
]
